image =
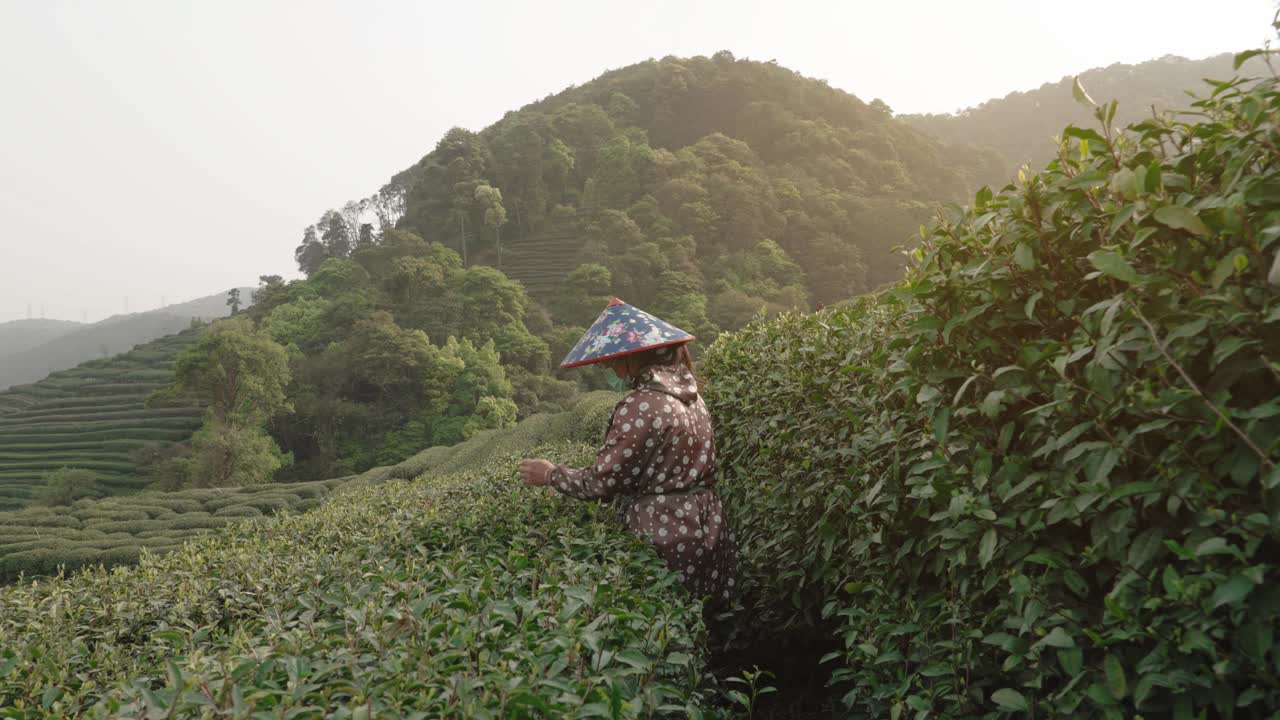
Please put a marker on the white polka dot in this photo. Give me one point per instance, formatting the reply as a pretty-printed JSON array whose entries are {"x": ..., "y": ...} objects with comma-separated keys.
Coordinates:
[
  {"x": 662, "y": 532},
  {"x": 626, "y": 452},
  {"x": 623, "y": 411},
  {"x": 639, "y": 422},
  {"x": 616, "y": 468},
  {"x": 644, "y": 406},
  {"x": 626, "y": 427}
]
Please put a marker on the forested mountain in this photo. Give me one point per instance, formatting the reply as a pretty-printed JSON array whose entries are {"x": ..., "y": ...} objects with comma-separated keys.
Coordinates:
[
  {"x": 703, "y": 189},
  {"x": 115, "y": 335},
  {"x": 1022, "y": 125},
  {"x": 19, "y": 335},
  {"x": 730, "y": 184}
]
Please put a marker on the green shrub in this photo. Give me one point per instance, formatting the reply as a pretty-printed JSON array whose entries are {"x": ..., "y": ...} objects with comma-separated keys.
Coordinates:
[
  {"x": 1040, "y": 477},
  {"x": 190, "y": 521},
  {"x": 102, "y": 513},
  {"x": 238, "y": 511},
  {"x": 467, "y": 596},
  {"x": 65, "y": 486},
  {"x": 121, "y": 526}
]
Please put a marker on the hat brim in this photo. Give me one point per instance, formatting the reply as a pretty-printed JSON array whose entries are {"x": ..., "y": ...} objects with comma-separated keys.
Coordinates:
[{"x": 603, "y": 358}]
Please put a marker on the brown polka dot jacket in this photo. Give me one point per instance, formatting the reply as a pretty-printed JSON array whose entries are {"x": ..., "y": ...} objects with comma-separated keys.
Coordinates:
[{"x": 660, "y": 456}]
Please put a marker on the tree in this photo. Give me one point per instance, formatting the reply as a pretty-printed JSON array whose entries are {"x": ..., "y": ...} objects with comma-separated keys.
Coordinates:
[
  {"x": 495, "y": 215},
  {"x": 238, "y": 369},
  {"x": 242, "y": 374},
  {"x": 585, "y": 292},
  {"x": 680, "y": 302},
  {"x": 227, "y": 456},
  {"x": 335, "y": 233},
  {"x": 233, "y": 300},
  {"x": 65, "y": 486},
  {"x": 311, "y": 253}
]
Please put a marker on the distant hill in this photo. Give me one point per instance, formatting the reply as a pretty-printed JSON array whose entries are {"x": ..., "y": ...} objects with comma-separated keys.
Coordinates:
[
  {"x": 92, "y": 416},
  {"x": 19, "y": 335},
  {"x": 109, "y": 337},
  {"x": 737, "y": 181},
  {"x": 1021, "y": 125}
]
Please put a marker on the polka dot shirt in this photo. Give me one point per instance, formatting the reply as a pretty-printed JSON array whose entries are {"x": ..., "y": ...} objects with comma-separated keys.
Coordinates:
[{"x": 660, "y": 454}]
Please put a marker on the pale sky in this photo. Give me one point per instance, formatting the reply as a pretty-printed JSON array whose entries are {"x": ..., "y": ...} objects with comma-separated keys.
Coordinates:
[{"x": 175, "y": 149}]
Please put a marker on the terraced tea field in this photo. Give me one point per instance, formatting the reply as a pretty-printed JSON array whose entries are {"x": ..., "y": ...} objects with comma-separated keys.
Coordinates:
[
  {"x": 40, "y": 540},
  {"x": 91, "y": 416}
]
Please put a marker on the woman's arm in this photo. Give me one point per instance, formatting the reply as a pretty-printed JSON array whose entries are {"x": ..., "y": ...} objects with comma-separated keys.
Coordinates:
[{"x": 618, "y": 467}]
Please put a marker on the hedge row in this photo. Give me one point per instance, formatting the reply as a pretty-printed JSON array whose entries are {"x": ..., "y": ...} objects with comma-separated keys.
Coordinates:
[
  {"x": 117, "y": 434},
  {"x": 584, "y": 423},
  {"x": 1040, "y": 477},
  {"x": 88, "y": 427},
  {"x": 462, "y": 596},
  {"x": 24, "y": 419},
  {"x": 179, "y": 515}
]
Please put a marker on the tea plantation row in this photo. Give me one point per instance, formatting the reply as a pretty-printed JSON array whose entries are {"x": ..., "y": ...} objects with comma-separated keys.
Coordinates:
[
  {"x": 1041, "y": 476},
  {"x": 39, "y": 540},
  {"x": 92, "y": 417},
  {"x": 455, "y": 596}
]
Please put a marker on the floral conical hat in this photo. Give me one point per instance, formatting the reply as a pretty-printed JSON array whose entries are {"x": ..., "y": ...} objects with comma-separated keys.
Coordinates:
[{"x": 622, "y": 330}]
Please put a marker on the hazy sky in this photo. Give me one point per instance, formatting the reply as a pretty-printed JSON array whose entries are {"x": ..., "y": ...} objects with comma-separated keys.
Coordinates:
[{"x": 175, "y": 149}]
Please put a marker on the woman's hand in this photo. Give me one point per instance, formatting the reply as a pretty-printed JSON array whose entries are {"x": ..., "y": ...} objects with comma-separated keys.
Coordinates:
[{"x": 535, "y": 471}]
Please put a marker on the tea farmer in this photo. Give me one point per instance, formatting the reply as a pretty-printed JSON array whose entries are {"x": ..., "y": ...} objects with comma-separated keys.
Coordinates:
[{"x": 659, "y": 453}]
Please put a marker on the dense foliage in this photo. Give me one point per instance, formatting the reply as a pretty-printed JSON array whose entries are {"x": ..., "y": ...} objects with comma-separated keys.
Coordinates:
[
  {"x": 1021, "y": 126},
  {"x": 112, "y": 531},
  {"x": 396, "y": 347},
  {"x": 739, "y": 182},
  {"x": 704, "y": 189},
  {"x": 241, "y": 373},
  {"x": 40, "y": 541},
  {"x": 94, "y": 417},
  {"x": 1041, "y": 475},
  {"x": 458, "y": 596}
]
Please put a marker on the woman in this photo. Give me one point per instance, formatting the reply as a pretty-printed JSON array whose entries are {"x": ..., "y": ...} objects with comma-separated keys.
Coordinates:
[{"x": 659, "y": 452}]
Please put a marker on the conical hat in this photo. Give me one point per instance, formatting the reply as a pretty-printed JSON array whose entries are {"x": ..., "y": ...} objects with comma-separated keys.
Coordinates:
[{"x": 621, "y": 330}]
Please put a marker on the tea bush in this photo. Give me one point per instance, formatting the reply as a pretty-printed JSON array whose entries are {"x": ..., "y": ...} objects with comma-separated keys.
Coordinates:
[
  {"x": 1040, "y": 476},
  {"x": 27, "y": 537},
  {"x": 456, "y": 596}
]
